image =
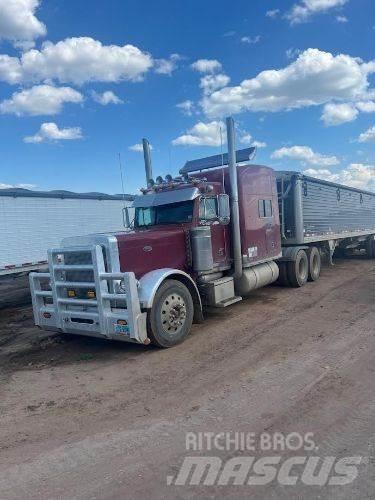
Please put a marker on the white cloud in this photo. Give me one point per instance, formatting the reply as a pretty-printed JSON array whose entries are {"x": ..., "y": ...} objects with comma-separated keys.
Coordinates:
[
  {"x": 138, "y": 148},
  {"x": 18, "y": 22},
  {"x": 336, "y": 114},
  {"x": 229, "y": 33},
  {"x": 19, "y": 186},
  {"x": 368, "y": 136},
  {"x": 187, "y": 107},
  {"x": 10, "y": 69},
  {"x": 246, "y": 139},
  {"x": 316, "y": 77},
  {"x": 251, "y": 41},
  {"x": 259, "y": 144},
  {"x": 341, "y": 19},
  {"x": 303, "y": 11},
  {"x": 366, "y": 106},
  {"x": 24, "y": 45},
  {"x": 210, "y": 83},
  {"x": 272, "y": 13},
  {"x": 51, "y": 132},
  {"x": 357, "y": 175},
  {"x": 322, "y": 173},
  {"x": 292, "y": 53},
  {"x": 206, "y": 65},
  {"x": 202, "y": 134},
  {"x": 167, "y": 66},
  {"x": 208, "y": 134},
  {"x": 77, "y": 60},
  {"x": 107, "y": 97},
  {"x": 40, "y": 100},
  {"x": 305, "y": 155}
]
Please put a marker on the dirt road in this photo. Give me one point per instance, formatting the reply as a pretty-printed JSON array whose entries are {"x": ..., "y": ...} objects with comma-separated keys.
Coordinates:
[{"x": 83, "y": 418}]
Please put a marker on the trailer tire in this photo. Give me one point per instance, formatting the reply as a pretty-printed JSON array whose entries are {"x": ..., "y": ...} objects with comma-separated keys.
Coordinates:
[
  {"x": 298, "y": 270},
  {"x": 171, "y": 315},
  {"x": 283, "y": 274},
  {"x": 370, "y": 247},
  {"x": 315, "y": 263}
]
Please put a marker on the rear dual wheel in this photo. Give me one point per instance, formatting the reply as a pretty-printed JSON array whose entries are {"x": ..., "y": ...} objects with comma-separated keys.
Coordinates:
[
  {"x": 305, "y": 267},
  {"x": 315, "y": 263},
  {"x": 298, "y": 270},
  {"x": 370, "y": 247}
]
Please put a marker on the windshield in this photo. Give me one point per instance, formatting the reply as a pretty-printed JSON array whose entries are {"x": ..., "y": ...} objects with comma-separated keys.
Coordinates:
[{"x": 174, "y": 213}]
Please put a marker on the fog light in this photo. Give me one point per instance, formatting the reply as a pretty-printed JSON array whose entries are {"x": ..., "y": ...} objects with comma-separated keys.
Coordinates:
[
  {"x": 91, "y": 294},
  {"x": 71, "y": 293}
]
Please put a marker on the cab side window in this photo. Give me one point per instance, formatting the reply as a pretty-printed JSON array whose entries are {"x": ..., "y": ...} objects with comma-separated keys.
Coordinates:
[
  {"x": 208, "y": 208},
  {"x": 265, "y": 208}
]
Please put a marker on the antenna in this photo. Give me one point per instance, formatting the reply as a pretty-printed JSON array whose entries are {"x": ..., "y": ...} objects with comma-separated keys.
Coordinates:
[{"x": 122, "y": 179}]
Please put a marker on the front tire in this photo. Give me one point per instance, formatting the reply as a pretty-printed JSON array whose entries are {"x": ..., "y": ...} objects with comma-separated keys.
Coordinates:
[
  {"x": 298, "y": 270},
  {"x": 171, "y": 315}
]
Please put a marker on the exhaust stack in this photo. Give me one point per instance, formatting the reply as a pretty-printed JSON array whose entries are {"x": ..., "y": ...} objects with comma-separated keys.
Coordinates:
[
  {"x": 147, "y": 157},
  {"x": 236, "y": 232}
]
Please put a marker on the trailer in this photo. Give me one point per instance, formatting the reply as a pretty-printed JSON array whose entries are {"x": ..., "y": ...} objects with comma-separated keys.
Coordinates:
[
  {"x": 317, "y": 217},
  {"x": 33, "y": 221},
  {"x": 208, "y": 237}
]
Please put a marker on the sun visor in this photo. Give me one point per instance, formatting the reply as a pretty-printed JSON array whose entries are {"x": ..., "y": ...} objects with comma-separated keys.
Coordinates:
[{"x": 165, "y": 197}]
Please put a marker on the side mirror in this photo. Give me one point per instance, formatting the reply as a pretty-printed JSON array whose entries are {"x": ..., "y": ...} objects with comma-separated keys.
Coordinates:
[
  {"x": 125, "y": 217},
  {"x": 223, "y": 208}
]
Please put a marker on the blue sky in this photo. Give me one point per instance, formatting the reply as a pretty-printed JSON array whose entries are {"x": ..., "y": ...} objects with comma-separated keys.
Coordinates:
[{"x": 82, "y": 81}]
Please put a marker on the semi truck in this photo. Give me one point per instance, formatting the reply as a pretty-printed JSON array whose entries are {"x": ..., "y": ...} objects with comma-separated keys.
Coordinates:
[
  {"x": 31, "y": 222},
  {"x": 206, "y": 238}
]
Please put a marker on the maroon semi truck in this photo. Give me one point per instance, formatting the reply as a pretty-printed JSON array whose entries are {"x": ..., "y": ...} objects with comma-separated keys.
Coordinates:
[{"x": 208, "y": 237}]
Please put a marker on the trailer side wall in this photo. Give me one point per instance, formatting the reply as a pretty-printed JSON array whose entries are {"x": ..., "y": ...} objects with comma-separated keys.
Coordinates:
[
  {"x": 29, "y": 226},
  {"x": 329, "y": 211}
]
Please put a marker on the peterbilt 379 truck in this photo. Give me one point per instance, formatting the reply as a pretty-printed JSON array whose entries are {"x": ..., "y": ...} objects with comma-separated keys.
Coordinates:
[{"x": 208, "y": 237}]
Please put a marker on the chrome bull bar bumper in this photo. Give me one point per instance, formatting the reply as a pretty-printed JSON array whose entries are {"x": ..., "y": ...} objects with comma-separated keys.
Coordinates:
[{"x": 110, "y": 314}]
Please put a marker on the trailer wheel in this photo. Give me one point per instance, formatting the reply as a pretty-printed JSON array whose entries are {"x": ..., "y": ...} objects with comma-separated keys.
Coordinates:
[
  {"x": 370, "y": 248},
  {"x": 171, "y": 316},
  {"x": 283, "y": 274},
  {"x": 315, "y": 263},
  {"x": 298, "y": 270}
]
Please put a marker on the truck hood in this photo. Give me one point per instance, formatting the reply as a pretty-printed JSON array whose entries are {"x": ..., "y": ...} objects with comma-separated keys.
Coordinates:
[{"x": 142, "y": 251}]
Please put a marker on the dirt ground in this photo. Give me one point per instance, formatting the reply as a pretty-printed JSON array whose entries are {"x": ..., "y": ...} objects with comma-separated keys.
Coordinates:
[{"x": 84, "y": 418}]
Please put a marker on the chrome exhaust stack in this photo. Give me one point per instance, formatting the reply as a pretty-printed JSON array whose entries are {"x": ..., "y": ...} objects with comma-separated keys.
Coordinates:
[
  {"x": 147, "y": 158},
  {"x": 235, "y": 219}
]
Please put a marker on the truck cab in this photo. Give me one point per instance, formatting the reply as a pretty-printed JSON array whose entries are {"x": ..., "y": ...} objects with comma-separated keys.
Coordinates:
[
  {"x": 207, "y": 237},
  {"x": 163, "y": 218}
]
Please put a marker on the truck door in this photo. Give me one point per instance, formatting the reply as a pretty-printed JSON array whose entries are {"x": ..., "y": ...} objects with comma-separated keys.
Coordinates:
[
  {"x": 208, "y": 215},
  {"x": 266, "y": 213}
]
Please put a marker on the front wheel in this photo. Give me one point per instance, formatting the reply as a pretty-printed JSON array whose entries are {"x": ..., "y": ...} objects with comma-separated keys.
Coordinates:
[{"x": 171, "y": 316}]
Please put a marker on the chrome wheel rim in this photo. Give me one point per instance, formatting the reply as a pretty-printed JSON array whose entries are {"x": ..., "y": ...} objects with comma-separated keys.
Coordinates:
[{"x": 173, "y": 313}]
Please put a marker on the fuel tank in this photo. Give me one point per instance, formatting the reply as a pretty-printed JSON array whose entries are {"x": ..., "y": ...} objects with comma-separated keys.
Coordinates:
[{"x": 257, "y": 277}]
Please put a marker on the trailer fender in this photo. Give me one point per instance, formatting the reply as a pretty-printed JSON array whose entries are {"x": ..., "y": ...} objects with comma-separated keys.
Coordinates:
[
  {"x": 150, "y": 282},
  {"x": 290, "y": 253}
]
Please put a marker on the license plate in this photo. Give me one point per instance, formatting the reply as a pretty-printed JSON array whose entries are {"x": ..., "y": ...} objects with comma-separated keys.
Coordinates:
[{"x": 122, "y": 329}]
